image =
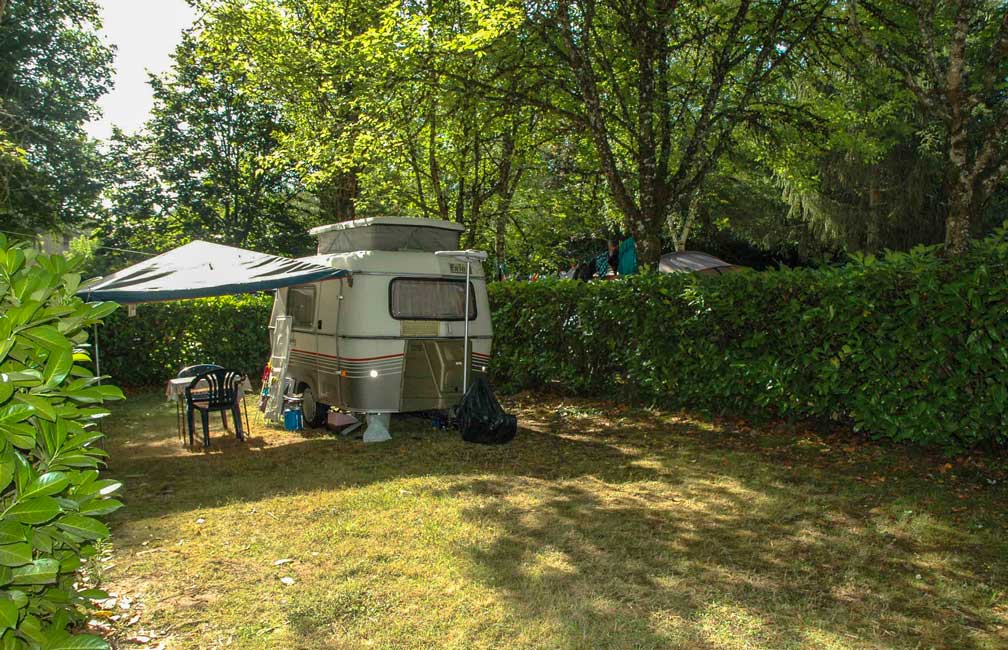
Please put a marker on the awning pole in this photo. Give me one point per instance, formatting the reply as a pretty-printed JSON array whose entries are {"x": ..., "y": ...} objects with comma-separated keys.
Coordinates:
[
  {"x": 465, "y": 338},
  {"x": 97, "y": 353}
]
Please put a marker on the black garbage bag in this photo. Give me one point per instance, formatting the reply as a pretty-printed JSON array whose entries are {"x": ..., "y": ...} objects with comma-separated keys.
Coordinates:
[{"x": 481, "y": 418}]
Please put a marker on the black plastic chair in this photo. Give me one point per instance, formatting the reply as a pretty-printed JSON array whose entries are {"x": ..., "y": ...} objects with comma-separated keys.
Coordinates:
[
  {"x": 221, "y": 393},
  {"x": 192, "y": 371}
]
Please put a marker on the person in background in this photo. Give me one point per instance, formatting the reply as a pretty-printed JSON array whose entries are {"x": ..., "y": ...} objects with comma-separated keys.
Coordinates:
[
  {"x": 585, "y": 271},
  {"x": 614, "y": 255}
]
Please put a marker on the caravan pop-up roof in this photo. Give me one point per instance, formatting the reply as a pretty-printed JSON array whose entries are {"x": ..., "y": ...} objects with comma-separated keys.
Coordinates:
[{"x": 387, "y": 234}]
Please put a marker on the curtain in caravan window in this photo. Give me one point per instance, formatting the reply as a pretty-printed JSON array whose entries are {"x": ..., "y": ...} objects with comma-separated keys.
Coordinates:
[
  {"x": 429, "y": 299},
  {"x": 301, "y": 306}
]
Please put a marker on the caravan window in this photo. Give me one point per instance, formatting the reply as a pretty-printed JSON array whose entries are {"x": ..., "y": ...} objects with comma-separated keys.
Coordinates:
[
  {"x": 430, "y": 299},
  {"x": 301, "y": 306}
]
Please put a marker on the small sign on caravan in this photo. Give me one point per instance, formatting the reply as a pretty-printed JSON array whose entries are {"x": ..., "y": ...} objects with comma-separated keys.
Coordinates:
[{"x": 456, "y": 268}]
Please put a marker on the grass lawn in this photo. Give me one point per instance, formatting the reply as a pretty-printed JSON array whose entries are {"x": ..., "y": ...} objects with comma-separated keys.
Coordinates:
[{"x": 598, "y": 527}]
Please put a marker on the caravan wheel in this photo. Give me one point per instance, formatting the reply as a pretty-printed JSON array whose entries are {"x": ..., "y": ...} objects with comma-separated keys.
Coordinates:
[{"x": 313, "y": 412}]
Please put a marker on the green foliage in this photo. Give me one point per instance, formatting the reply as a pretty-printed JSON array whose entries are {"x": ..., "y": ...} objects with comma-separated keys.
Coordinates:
[
  {"x": 53, "y": 68},
  {"x": 205, "y": 167},
  {"x": 381, "y": 106},
  {"x": 951, "y": 57},
  {"x": 163, "y": 338},
  {"x": 910, "y": 346},
  {"x": 513, "y": 118},
  {"x": 51, "y": 496},
  {"x": 871, "y": 177},
  {"x": 802, "y": 126}
]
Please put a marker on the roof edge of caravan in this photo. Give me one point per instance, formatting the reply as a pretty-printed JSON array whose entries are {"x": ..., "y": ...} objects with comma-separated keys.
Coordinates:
[
  {"x": 388, "y": 221},
  {"x": 405, "y": 263}
]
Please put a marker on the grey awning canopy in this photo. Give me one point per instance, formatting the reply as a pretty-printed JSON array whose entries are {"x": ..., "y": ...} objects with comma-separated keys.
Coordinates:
[{"x": 202, "y": 269}]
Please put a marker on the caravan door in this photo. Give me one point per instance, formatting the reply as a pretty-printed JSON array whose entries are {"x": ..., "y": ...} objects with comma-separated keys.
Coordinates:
[
  {"x": 302, "y": 304},
  {"x": 327, "y": 350}
]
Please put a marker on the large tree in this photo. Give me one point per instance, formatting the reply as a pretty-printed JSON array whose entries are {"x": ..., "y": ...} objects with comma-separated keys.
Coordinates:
[
  {"x": 53, "y": 68},
  {"x": 952, "y": 56},
  {"x": 204, "y": 166},
  {"x": 305, "y": 57},
  {"x": 383, "y": 119},
  {"x": 661, "y": 87}
]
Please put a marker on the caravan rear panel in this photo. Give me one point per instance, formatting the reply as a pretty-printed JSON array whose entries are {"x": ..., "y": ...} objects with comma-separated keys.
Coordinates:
[{"x": 390, "y": 337}]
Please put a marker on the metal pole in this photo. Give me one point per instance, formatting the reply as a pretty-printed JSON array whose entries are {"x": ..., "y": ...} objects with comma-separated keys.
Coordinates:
[
  {"x": 468, "y": 256},
  {"x": 465, "y": 344},
  {"x": 97, "y": 355}
]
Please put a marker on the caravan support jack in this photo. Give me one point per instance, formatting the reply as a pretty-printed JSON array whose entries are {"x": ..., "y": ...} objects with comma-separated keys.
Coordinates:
[{"x": 377, "y": 427}]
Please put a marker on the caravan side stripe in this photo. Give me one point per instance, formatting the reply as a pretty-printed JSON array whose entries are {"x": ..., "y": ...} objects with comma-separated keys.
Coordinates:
[{"x": 332, "y": 356}]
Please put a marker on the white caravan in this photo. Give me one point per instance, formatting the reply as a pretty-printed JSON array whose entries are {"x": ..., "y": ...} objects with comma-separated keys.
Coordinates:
[{"x": 388, "y": 337}]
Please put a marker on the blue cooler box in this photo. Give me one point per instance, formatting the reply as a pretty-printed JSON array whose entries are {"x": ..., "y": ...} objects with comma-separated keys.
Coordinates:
[{"x": 292, "y": 420}]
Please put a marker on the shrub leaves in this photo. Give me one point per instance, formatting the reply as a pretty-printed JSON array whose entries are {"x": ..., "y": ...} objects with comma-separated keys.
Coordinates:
[
  {"x": 908, "y": 347},
  {"x": 49, "y": 486}
]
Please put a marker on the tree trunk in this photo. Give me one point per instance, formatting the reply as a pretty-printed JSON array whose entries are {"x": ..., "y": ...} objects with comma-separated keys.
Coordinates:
[
  {"x": 435, "y": 169},
  {"x": 501, "y": 243},
  {"x": 595, "y": 122},
  {"x": 957, "y": 223},
  {"x": 228, "y": 229},
  {"x": 681, "y": 231},
  {"x": 647, "y": 237},
  {"x": 507, "y": 182},
  {"x": 475, "y": 190},
  {"x": 338, "y": 197},
  {"x": 460, "y": 202},
  {"x": 874, "y": 212}
]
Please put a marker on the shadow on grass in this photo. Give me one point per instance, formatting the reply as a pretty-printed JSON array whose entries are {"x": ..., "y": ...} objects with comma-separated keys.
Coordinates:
[
  {"x": 146, "y": 449},
  {"x": 729, "y": 549},
  {"x": 725, "y": 570},
  {"x": 647, "y": 532}
]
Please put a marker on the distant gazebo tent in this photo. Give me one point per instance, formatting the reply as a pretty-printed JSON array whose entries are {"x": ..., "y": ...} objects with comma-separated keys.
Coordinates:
[{"x": 695, "y": 262}]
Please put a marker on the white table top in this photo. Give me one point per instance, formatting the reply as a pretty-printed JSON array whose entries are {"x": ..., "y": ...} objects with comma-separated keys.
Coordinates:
[{"x": 175, "y": 388}]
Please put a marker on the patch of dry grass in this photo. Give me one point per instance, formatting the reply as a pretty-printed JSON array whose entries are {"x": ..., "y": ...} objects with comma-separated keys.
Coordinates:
[{"x": 598, "y": 527}]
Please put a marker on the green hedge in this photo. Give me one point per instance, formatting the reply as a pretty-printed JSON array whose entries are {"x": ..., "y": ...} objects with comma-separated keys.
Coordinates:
[
  {"x": 147, "y": 349},
  {"x": 910, "y": 347}
]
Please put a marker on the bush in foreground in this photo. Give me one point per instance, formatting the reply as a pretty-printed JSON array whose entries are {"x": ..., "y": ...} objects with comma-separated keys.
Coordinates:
[{"x": 51, "y": 496}]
